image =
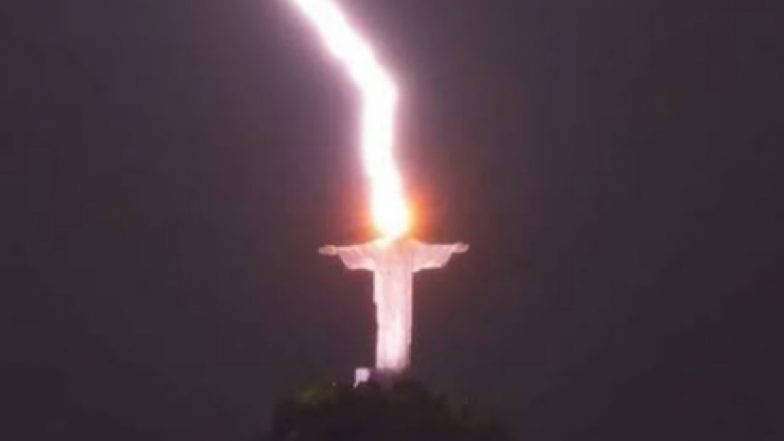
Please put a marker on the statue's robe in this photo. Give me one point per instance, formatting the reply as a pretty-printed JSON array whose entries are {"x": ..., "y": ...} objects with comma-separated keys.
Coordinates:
[{"x": 393, "y": 265}]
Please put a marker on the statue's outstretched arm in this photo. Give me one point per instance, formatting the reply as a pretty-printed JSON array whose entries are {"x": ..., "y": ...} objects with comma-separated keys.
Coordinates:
[
  {"x": 460, "y": 247},
  {"x": 431, "y": 256},
  {"x": 328, "y": 250},
  {"x": 353, "y": 256}
]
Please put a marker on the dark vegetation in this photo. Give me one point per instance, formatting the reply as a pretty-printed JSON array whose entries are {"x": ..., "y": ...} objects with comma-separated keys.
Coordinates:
[{"x": 406, "y": 410}]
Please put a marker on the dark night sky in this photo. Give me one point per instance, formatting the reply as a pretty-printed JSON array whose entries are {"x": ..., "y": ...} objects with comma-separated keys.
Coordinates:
[{"x": 169, "y": 168}]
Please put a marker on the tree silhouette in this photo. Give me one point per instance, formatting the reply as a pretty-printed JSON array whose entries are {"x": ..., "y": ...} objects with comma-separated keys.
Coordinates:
[{"x": 404, "y": 410}]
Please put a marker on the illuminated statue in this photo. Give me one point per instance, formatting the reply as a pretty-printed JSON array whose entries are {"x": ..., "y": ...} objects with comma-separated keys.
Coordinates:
[
  {"x": 395, "y": 257},
  {"x": 393, "y": 263}
]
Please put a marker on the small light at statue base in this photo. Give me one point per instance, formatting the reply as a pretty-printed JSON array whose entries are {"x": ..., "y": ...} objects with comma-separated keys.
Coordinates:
[{"x": 362, "y": 375}]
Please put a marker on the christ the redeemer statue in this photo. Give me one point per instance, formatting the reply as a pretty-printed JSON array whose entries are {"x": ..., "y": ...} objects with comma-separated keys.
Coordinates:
[{"x": 393, "y": 263}]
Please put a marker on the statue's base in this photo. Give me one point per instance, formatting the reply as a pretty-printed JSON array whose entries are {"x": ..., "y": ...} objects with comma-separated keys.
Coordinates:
[{"x": 381, "y": 377}]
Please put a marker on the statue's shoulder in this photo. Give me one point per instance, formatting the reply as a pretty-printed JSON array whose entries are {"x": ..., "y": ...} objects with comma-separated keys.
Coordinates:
[{"x": 416, "y": 244}]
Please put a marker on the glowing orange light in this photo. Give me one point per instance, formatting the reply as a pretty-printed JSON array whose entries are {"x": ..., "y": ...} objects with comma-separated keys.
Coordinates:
[{"x": 389, "y": 208}]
